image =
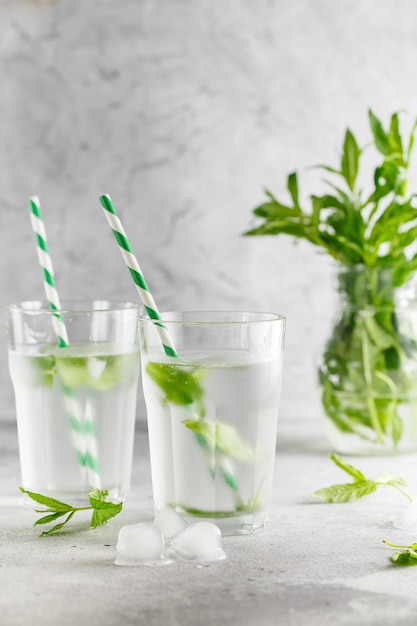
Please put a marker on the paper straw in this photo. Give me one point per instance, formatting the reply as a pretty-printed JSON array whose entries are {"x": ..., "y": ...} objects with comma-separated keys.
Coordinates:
[
  {"x": 87, "y": 454},
  {"x": 137, "y": 275},
  {"x": 48, "y": 272},
  {"x": 149, "y": 304}
]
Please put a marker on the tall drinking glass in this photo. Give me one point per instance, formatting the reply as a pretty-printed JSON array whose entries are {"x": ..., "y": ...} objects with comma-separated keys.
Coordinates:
[
  {"x": 212, "y": 414},
  {"x": 75, "y": 405}
]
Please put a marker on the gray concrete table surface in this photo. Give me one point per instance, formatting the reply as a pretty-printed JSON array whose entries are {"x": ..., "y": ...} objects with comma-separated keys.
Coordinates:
[{"x": 316, "y": 564}]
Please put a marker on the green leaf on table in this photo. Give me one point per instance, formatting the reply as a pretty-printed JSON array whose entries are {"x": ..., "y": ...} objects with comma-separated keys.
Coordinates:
[
  {"x": 102, "y": 509},
  {"x": 346, "y": 492},
  {"x": 360, "y": 486},
  {"x": 389, "y": 478},
  {"x": 55, "y": 529},
  {"x": 407, "y": 556},
  {"x": 47, "y": 519},
  {"x": 51, "y": 503},
  {"x": 349, "y": 469}
]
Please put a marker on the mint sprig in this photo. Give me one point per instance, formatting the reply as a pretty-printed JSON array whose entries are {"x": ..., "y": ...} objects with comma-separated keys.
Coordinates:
[
  {"x": 360, "y": 486},
  {"x": 372, "y": 227},
  {"x": 365, "y": 219},
  {"x": 408, "y": 555},
  {"x": 102, "y": 509}
]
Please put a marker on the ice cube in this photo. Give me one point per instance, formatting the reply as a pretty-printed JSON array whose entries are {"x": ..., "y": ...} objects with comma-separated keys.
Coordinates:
[
  {"x": 140, "y": 543},
  {"x": 408, "y": 520},
  {"x": 201, "y": 541},
  {"x": 169, "y": 523},
  {"x": 96, "y": 367}
]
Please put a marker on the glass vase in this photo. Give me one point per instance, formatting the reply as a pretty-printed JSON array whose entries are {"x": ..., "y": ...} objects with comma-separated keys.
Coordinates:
[{"x": 368, "y": 370}]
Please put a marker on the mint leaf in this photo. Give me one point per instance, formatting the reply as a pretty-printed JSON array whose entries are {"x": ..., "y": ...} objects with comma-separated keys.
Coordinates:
[
  {"x": 54, "y": 505},
  {"x": 380, "y": 137},
  {"x": 349, "y": 469},
  {"x": 178, "y": 385},
  {"x": 390, "y": 478},
  {"x": 409, "y": 557},
  {"x": 346, "y": 492},
  {"x": 55, "y": 529},
  {"x": 49, "y": 518},
  {"x": 102, "y": 509},
  {"x": 360, "y": 487},
  {"x": 223, "y": 438},
  {"x": 97, "y": 495},
  {"x": 350, "y": 159},
  {"x": 292, "y": 186},
  {"x": 406, "y": 557}
]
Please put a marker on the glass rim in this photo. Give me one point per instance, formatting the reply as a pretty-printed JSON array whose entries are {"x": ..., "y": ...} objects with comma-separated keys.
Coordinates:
[
  {"x": 42, "y": 307},
  {"x": 213, "y": 317}
]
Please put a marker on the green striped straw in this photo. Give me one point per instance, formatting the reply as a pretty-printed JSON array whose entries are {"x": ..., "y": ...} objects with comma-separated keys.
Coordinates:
[
  {"x": 152, "y": 310},
  {"x": 137, "y": 275},
  {"x": 45, "y": 262},
  {"x": 84, "y": 441}
]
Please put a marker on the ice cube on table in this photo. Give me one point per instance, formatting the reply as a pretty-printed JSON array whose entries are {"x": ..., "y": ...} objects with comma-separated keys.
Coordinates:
[
  {"x": 140, "y": 543},
  {"x": 200, "y": 541},
  {"x": 169, "y": 522},
  {"x": 408, "y": 520}
]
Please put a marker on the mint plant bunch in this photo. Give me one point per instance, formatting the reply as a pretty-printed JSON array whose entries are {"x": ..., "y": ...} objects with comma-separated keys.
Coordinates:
[{"x": 368, "y": 225}]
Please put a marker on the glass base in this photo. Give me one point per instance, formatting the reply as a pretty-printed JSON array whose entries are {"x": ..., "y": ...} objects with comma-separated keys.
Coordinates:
[
  {"x": 230, "y": 525},
  {"x": 354, "y": 445}
]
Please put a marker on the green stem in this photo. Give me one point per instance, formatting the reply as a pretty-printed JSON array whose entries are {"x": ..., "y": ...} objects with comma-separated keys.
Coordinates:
[
  {"x": 351, "y": 426},
  {"x": 394, "y": 545},
  {"x": 216, "y": 514},
  {"x": 404, "y": 493},
  {"x": 373, "y": 414}
]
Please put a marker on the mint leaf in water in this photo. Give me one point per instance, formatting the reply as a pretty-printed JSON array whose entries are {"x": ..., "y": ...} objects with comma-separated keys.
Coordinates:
[
  {"x": 102, "y": 509},
  {"x": 360, "y": 486},
  {"x": 178, "y": 385},
  {"x": 223, "y": 438}
]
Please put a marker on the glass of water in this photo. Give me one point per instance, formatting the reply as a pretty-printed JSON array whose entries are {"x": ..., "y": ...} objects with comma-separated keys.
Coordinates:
[
  {"x": 212, "y": 414},
  {"x": 75, "y": 404}
]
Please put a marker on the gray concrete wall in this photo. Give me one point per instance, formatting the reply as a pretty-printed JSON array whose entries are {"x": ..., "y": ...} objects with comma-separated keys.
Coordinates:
[{"x": 184, "y": 110}]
